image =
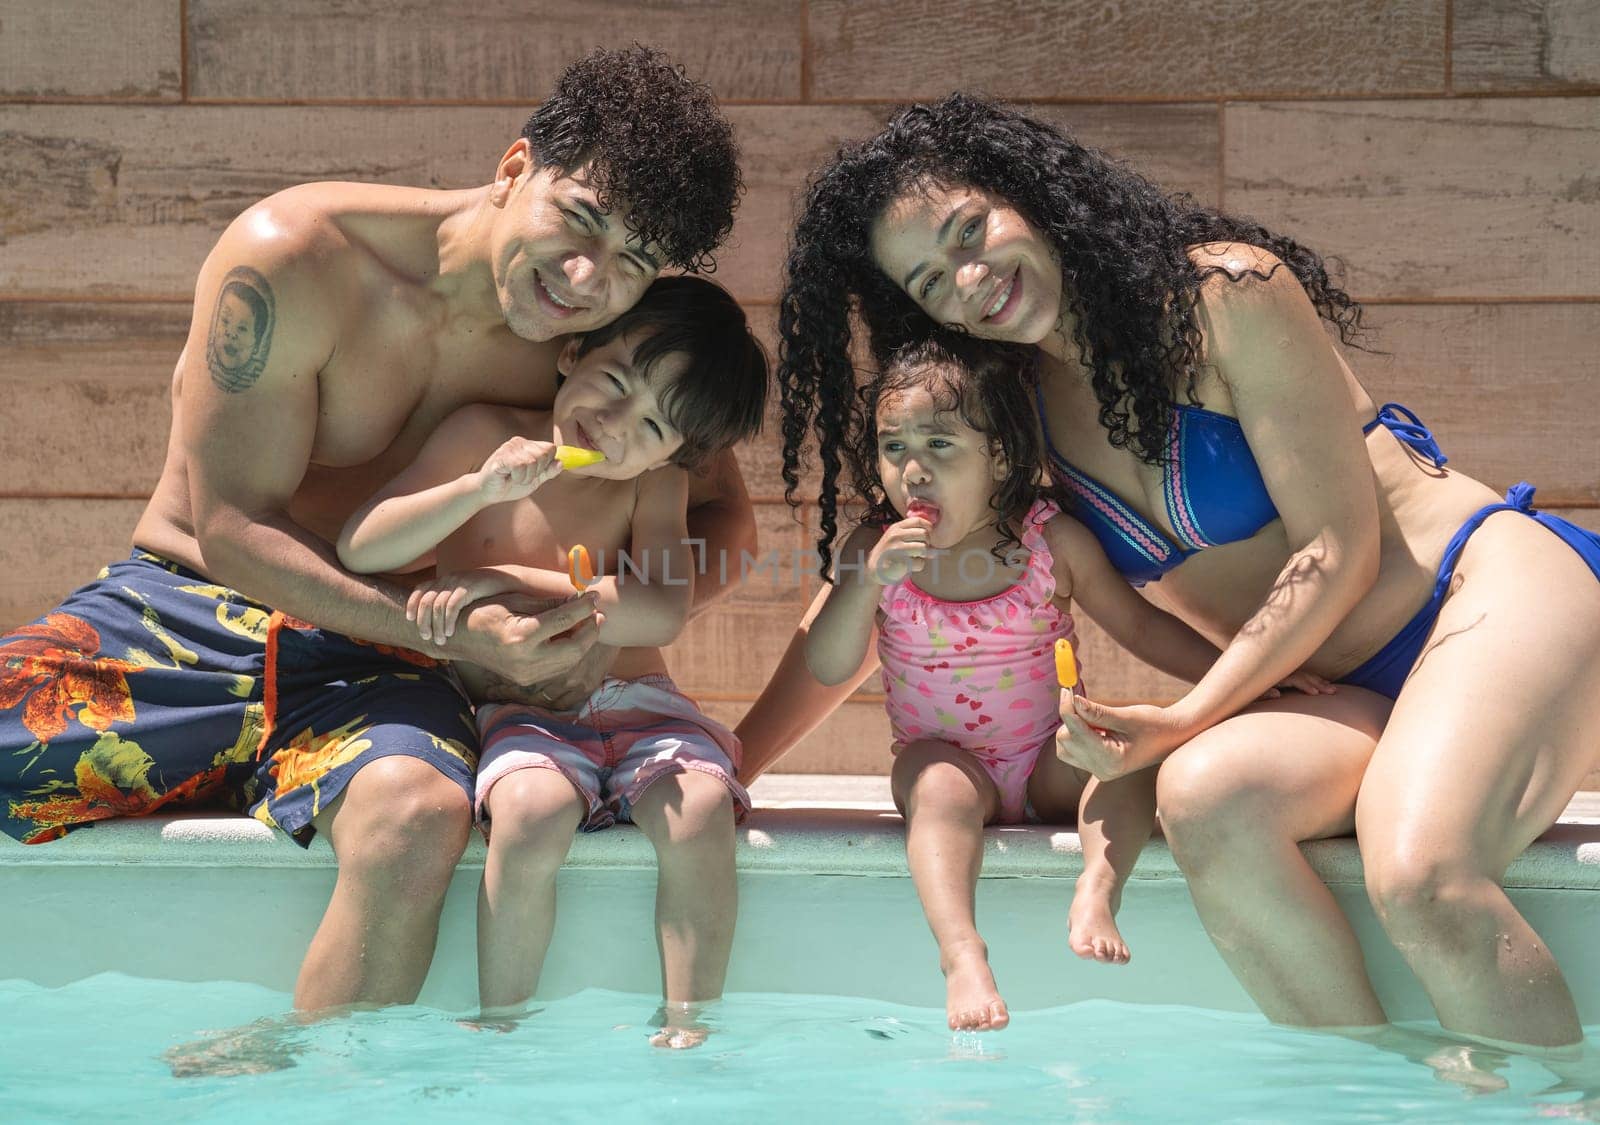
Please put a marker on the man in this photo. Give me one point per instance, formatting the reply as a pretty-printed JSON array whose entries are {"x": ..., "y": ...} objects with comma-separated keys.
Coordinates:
[{"x": 334, "y": 326}]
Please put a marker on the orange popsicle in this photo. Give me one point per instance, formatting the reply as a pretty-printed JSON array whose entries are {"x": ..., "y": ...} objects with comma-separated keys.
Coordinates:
[
  {"x": 579, "y": 568},
  {"x": 1066, "y": 666}
]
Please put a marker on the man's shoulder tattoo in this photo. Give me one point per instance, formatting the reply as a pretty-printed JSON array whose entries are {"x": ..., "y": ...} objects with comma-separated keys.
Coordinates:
[{"x": 241, "y": 331}]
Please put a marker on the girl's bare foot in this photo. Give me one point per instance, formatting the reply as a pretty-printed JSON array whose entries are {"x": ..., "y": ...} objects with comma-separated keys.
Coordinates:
[
  {"x": 972, "y": 1002},
  {"x": 1092, "y": 923}
]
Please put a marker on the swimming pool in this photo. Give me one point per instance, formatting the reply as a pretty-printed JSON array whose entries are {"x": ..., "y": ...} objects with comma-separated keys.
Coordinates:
[{"x": 137, "y": 936}]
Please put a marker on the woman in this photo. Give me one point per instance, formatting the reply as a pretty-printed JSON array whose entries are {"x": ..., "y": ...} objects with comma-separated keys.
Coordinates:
[{"x": 1202, "y": 422}]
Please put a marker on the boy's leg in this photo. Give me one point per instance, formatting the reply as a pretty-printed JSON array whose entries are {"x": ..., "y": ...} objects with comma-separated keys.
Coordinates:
[
  {"x": 947, "y": 798},
  {"x": 534, "y": 814},
  {"x": 1114, "y": 822},
  {"x": 689, "y": 816}
]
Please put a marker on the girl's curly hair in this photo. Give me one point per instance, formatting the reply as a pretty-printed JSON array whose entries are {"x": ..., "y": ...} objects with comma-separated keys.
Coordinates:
[
  {"x": 656, "y": 142},
  {"x": 988, "y": 386},
  {"x": 1120, "y": 240}
]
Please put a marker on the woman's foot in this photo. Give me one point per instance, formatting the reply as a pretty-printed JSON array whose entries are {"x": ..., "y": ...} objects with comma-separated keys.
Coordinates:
[
  {"x": 972, "y": 1002},
  {"x": 1092, "y": 923}
]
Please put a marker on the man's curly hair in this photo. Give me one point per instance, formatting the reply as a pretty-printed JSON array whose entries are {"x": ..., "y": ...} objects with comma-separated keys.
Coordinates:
[
  {"x": 1121, "y": 243},
  {"x": 656, "y": 143}
]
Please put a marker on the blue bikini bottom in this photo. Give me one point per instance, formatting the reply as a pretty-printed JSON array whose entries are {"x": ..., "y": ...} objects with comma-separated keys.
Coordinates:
[{"x": 1388, "y": 669}]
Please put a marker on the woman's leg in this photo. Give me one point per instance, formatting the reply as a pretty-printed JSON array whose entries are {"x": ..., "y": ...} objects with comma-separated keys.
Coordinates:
[
  {"x": 533, "y": 814},
  {"x": 1492, "y": 734},
  {"x": 947, "y": 798},
  {"x": 1235, "y": 803}
]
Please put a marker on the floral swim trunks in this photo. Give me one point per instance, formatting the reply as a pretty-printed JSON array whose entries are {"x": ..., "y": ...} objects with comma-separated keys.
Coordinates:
[
  {"x": 153, "y": 688},
  {"x": 626, "y": 735}
]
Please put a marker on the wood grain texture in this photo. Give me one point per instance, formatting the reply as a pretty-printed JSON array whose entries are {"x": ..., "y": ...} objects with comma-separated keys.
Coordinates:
[
  {"x": 854, "y": 739},
  {"x": 127, "y": 201},
  {"x": 48, "y": 548},
  {"x": 90, "y": 49},
  {"x": 1516, "y": 45},
  {"x": 1509, "y": 390},
  {"x": 485, "y": 50},
  {"x": 84, "y": 395},
  {"x": 1459, "y": 198},
  {"x": 1147, "y": 48},
  {"x": 733, "y": 648}
]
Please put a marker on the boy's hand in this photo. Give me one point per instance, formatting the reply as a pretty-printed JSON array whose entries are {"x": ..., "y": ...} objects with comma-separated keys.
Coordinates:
[
  {"x": 516, "y": 469},
  {"x": 901, "y": 549},
  {"x": 437, "y": 603}
]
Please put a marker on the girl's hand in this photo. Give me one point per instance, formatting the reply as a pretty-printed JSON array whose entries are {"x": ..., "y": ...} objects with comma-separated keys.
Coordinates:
[
  {"x": 1306, "y": 683},
  {"x": 1110, "y": 742},
  {"x": 515, "y": 469},
  {"x": 437, "y": 603},
  {"x": 901, "y": 549}
]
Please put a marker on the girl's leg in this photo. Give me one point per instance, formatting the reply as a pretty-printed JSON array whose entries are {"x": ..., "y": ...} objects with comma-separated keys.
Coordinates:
[
  {"x": 688, "y": 817},
  {"x": 533, "y": 814},
  {"x": 1492, "y": 734},
  {"x": 947, "y": 798},
  {"x": 1236, "y": 801},
  {"x": 1114, "y": 822}
]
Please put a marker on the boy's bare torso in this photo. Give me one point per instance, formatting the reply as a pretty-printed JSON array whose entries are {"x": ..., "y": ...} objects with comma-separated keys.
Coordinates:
[{"x": 538, "y": 531}]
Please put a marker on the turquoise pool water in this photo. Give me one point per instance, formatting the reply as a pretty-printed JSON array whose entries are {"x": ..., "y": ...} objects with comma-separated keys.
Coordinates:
[{"x": 96, "y": 1050}]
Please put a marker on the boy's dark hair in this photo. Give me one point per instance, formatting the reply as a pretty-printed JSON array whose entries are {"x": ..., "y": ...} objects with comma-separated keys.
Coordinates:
[
  {"x": 722, "y": 394},
  {"x": 656, "y": 143},
  {"x": 988, "y": 386}
]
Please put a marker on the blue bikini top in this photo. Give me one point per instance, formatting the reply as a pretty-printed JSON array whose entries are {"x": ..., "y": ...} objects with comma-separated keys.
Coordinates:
[{"x": 1212, "y": 485}]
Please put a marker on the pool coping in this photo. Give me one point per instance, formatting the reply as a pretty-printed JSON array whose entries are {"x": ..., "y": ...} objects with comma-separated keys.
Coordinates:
[{"x": 867, "y": 840}]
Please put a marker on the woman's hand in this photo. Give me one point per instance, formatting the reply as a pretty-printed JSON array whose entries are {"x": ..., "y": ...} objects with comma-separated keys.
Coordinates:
[
  {"x": 1110, "y": 742},
  {"x": 1306, "y": 683}
]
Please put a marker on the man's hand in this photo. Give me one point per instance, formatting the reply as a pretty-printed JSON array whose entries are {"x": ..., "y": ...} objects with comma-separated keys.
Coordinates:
[
  {"x": 567, "y": 693},
  {"x": 527, "y": 640}
]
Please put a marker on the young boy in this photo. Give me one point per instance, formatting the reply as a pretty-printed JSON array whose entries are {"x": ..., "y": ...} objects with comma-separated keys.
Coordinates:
[{"x": 673, "y": 381}]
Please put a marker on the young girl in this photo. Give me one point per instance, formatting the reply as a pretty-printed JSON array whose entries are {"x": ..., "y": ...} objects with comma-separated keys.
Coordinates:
[{"x": 966, "y": 576}]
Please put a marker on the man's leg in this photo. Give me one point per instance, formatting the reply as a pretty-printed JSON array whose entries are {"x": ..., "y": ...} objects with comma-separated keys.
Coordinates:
[{"x": 398, "y": 829}]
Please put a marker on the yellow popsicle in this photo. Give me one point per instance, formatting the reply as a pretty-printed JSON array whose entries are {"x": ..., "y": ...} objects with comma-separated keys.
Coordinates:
[
  {"x": 1066, "y": 666},
  {"x": 576, "y": 457},
  {"x": 579, "y": 568}
]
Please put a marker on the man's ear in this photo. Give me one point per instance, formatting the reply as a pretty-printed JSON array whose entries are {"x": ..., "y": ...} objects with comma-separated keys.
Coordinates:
[
  {"x": 567, "y": 359},
  {"x": 514, "y": 165}
]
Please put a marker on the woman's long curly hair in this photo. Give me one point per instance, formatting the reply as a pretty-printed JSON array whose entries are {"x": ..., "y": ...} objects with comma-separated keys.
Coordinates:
[
  {"x": 1121, "y": 242},
  {"x": 989, "y": 386}
]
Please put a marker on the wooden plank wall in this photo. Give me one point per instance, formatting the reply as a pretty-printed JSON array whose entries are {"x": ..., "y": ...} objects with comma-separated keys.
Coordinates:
[{"x": 1446, "y": 149}]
